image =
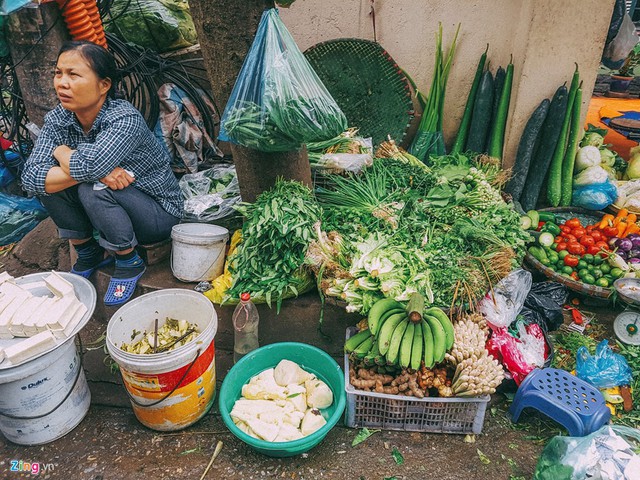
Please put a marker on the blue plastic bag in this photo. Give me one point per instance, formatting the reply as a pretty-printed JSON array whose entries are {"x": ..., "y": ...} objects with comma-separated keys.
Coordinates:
[
  {"x": 6, "y": 177},
  {"x": 603, "y": 370},
  {"x": 278, "y": 102},
  {"x": 10, "y": 6},
  {"x": 595, "y": 196},
  {"x": 18, "y": 216}
]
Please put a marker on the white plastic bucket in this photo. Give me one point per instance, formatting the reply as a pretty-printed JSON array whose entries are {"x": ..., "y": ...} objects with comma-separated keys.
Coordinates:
[
  {"x": 174, "y": 389},
  {"x": 52, "y": 387},
  {"x": 197, "y": 251}
]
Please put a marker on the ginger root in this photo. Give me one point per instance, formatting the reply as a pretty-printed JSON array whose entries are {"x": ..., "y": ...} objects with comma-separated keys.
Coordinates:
[{"x": 385, "y": 389}]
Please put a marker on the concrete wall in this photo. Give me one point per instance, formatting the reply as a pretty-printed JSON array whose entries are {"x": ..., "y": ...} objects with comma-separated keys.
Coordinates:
[{"x": 545, "y": 37}]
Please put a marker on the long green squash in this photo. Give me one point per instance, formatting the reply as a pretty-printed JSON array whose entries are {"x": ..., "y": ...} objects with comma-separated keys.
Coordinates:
[
  {"x": 481, "y": 115},
  {"x": 544, "y": 149},
  {"x": 572, "y": 148},
  {"x": 496, "y": 139},
  {"x": 526, "y": 149},
  {"x": 463, "y": 129},
  {"x": 554, "y": 182}
]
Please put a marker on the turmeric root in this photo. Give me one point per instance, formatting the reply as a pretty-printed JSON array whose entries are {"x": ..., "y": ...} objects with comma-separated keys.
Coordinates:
[
  {"x": 361, "y": 384},
  {"x": 365, "y": 374},
  {"x": 385, "y": 389}
]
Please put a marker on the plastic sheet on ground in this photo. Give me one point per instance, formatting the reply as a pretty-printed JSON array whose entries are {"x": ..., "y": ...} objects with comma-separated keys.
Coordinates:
[{"x": 18, "y": 216}]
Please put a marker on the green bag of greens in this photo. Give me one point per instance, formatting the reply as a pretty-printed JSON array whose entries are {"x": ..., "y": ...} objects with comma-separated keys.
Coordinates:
[
  {"x": 278, "y": 102},
  {"x": 160, "y": 25}
]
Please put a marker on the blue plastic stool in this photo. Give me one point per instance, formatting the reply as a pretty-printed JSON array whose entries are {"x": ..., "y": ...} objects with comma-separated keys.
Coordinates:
[{"x": 570, "y": 401}]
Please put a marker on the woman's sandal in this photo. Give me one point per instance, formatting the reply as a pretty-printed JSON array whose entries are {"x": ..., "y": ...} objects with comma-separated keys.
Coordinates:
[
  {"x": 120, "y": 290},
  {"x": 87, "y": 273}
]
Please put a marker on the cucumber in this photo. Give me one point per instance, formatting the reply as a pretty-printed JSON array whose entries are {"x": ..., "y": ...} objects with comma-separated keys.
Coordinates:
[
  {"x": 526, "y": 149},
  {"x": 554, "y": 184},
  {"x": 546, "y": 239},
  {"x": 545, "y": 147},
  {"x": 481, "y": 117},
  {"x": 535, "y": 218},
  {"x": 572, "y": 147},
  {"x": 463, "y": 130},
  {"x": 496, "y": 138}
]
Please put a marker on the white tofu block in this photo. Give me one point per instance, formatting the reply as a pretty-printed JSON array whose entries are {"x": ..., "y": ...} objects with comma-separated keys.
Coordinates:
[
  {"x": 72, "y": 322},
  {"x": 60, "y": 310},
  {"x": 30, "y": 347},
  {"x": 8, "y": 313},
  {"x": 12, "y": 289},
  {"x": 5, "y": 277},
  {"x": 27, "y": 309},
  {"x": 30, "y": 325},
  {"x": 33, "y": 285},
  {"x": 58, "y": 285},
  {"x": 2, "y": 355}
]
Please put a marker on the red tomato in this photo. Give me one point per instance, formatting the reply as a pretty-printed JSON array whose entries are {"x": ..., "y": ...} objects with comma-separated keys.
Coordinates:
[
  {"x": 540, "y": 225},
  {"x": 610, "y": 231},
  {"x": 597, "y": 235},
  {"x": 571, "y": 260},
  {"x": 602, "y": 244},
  {"x": 579, "y": 232},
  {"x": 558, "y": 239},
  {"x": 590, "y": 228},
  {"x": 565, "y": 229},
  {"x": 574, "y": 275},
  {"x": 575, "y": 248},
  {"x": 587, "y": 241},
  {"x": 573, "y": 223},
  {"x": 561, "y": 246},
  {"x": 569, "y": 238},
  {"x": 593, "y": 250}
]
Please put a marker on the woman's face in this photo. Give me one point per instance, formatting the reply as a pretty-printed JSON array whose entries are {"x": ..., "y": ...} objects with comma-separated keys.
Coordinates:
[{"x": 77, "y": 85}]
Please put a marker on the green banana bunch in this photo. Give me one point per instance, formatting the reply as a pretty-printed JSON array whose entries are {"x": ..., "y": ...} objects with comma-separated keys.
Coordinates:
[{"x": 403, "y": 337}]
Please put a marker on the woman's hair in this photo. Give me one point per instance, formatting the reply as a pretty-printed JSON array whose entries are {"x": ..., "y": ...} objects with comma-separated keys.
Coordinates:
[{"x": 99, "y": 59}]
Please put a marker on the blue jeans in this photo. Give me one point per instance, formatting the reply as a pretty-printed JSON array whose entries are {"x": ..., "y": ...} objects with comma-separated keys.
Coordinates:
[{"x": 122, "y": 217}]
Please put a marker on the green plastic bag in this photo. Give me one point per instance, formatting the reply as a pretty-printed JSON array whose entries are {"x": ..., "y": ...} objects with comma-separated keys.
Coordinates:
[{"x": 608, "y": 453}]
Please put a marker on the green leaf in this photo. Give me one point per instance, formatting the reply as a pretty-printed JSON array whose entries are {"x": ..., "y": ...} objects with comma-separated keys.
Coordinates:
[
  {"x": 397, "y": 456},
  {"x": 294, "y": 395},
  {"x": 483, "y": 458},
  {"x": 390, "y": 478},
  {"x": 362, "y": 435}
]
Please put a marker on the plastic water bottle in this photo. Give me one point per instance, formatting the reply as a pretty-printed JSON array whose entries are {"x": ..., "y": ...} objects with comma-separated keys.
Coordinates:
[{"x": 245, "y": 325}]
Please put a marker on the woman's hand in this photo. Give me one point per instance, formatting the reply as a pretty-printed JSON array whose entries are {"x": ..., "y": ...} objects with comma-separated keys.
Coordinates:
[
  {"x": 118, "y": 179},
  {"x": 62, "y": 154}
]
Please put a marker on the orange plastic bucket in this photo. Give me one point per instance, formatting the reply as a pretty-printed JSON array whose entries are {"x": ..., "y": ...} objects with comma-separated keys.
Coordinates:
[{"x": 169, "y": 390}]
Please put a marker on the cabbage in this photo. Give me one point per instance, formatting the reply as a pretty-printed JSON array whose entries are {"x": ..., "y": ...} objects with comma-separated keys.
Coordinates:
[
  {"x": 593, "y": 138},
  {"x": 633, "y": 170},
  {"x": 586, "y": 157},
  {"x": 607, "y": 157},
  {"x": 590, "y": 176}
]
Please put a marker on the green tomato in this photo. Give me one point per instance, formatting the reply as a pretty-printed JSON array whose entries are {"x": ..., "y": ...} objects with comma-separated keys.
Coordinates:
[
  {"x": 589, "y": 279},
  {"x": 567, "y": 269},
  {"x": 583, "y": 272},
  {"x": 588, "y": 258},
  {"x": 616, "y": 272},
  {"x": 563, "y": 253},
  {"x": 545, "y": 261},
  {"x": 553, "y": 256},
  {"x": 597, "y": 273},
  {"x": 560, "y": 264},
  {"x": 598, "y": 260},
  {"x": 609, "y": 278},
  {"x": 591, "y": 268},
  {"x": 602, "y": 282},
  {"x": 582, "y": 264},
  {"x": 605, "y": 268}
]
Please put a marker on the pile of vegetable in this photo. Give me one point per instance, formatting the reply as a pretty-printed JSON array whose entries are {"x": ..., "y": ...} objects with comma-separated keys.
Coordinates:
[
  {"x": 399, "y": 228},
  {"x": 282, "y": 404},
  {"x": 596, "y": 254}
]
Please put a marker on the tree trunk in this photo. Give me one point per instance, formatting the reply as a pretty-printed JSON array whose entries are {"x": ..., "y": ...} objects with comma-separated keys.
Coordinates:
[
  {"x": 226, "y": 29},
  {"x": 37, "y": 60}
]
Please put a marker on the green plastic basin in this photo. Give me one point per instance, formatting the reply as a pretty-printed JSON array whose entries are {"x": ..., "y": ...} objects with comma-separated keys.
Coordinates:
[{"x": 312, "y": 360}]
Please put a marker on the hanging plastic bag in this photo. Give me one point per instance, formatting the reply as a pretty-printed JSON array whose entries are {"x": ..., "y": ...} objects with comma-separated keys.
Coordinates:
[
  {"x": 278, "y": 102},
  {"x": 617, "y": 51},
  {"x": 426, "y": 144},
  {"x": 504, "y": 302},
  {"x": 607, "y": 454},
  {"x": 211, "y": 194},
  {"x": 10, "y": 6},
  {"x": 594, "y": 197},
  {"x": 603, "y": 370},
  {"x": 18, "y": 216}
]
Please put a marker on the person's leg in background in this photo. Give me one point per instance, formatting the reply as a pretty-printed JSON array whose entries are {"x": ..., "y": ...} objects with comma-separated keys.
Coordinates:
[
  {"x": 67, "y": 212},
  {"x": 123, "y": 218}
]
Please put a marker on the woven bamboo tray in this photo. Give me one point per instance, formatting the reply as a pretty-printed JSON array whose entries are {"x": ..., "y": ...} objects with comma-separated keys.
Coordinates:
[
  {"x": 368, "y": 85},
  {"x": 565, "y": 213}
]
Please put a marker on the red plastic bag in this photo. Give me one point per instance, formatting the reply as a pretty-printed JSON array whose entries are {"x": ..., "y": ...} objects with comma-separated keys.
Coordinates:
[{"x": 519, "y": 355}]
